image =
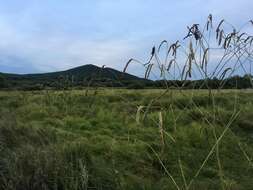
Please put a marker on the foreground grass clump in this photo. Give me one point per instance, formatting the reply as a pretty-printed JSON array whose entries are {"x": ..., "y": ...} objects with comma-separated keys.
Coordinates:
[{"x": 67, "y": 140}]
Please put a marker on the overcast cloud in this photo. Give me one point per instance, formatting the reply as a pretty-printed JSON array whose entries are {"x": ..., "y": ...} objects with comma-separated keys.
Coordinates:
[{"x": 51, "y": 35}]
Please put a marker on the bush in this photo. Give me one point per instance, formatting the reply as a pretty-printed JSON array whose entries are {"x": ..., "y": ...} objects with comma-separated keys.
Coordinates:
[
  {"x": 135, "y": 86},
  {"x": 3, "y": 82}
]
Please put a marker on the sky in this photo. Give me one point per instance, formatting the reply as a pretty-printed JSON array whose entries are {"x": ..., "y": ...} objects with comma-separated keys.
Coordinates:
[{"x": 52, "y": 35}]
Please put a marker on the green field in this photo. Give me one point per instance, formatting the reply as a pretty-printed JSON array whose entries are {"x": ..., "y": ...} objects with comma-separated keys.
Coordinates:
[{"x": 126, "y": 139}]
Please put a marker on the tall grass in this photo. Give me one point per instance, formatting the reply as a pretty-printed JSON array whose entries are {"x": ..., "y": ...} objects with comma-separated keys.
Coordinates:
[{"x": 205, "y": 53}]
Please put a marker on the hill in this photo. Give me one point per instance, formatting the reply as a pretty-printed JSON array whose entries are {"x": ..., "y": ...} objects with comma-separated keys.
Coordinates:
[
  {"x": 80, "y": 76},
  {"x": 94, "y": 76}
]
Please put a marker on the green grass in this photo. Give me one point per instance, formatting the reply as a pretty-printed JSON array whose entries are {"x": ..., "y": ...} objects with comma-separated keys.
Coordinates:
[{"x": 66, "y": 140}]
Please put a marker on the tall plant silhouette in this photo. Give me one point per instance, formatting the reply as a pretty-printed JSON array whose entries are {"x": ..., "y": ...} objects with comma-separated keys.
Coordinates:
[{"x": 213, "y": 51}]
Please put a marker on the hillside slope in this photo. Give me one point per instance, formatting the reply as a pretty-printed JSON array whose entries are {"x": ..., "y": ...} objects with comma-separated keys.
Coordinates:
[{"x": 83, "y": 75}]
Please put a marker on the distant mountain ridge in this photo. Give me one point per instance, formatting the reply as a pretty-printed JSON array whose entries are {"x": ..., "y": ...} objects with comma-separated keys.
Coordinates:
[
  {"x": 82, "y": 75},
  {"x": 94, "y": 76},
  {"x": 83, "y": 71}
]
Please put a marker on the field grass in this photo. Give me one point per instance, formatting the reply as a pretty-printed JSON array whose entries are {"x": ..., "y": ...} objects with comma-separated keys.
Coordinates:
[{"x": 98, "y": 139}]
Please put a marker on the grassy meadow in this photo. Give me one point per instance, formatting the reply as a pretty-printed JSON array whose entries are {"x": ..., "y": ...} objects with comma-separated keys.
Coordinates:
[{"x": 126, "y": 139}]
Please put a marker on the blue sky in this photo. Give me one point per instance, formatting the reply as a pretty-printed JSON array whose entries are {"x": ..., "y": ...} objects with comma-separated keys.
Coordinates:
[{"x": 51, "y": 35}]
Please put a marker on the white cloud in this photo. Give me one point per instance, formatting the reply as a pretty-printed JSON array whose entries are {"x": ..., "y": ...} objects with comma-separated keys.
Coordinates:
[
  {"x": 48, "y": 53},
  {"x": 55, "y": 35}
]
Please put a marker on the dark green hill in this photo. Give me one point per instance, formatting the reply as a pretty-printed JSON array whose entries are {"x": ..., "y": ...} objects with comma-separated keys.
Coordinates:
[
  {"x": 80, "y": 76},
  {"x": 91, "y": 75}
]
